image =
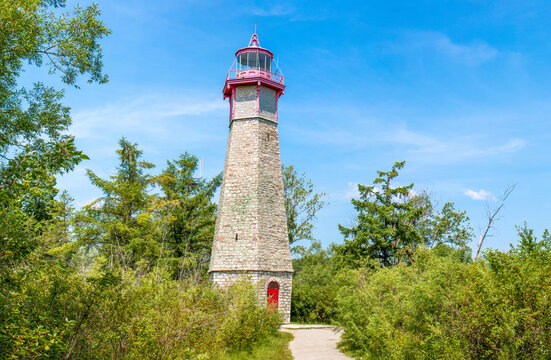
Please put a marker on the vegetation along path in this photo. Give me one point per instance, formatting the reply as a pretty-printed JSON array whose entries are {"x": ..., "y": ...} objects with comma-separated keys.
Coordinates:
[{"x": 314, "y": 342}]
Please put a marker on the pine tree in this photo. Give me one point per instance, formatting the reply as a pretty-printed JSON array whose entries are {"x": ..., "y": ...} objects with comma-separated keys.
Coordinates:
[{"x": 118, "y": 225}]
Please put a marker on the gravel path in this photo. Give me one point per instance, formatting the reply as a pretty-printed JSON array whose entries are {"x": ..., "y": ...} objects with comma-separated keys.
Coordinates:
[{"x": 314, "y": 342}]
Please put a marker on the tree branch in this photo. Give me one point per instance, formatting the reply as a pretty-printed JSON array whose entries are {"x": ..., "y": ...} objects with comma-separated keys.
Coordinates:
[{"x": 492, "y": 216}]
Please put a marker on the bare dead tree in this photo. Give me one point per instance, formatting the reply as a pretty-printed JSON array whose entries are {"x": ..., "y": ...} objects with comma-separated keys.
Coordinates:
[{"x": 491, "y": 215}]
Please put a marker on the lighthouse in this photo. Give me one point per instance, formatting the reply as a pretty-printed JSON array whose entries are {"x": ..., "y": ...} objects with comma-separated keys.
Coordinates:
[{"x": 250, "y": 237}]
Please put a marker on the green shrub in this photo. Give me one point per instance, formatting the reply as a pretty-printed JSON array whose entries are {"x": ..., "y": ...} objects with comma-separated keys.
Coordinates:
[
  {"x": 439, "y": 307},
  {"x": 58, "y": 313},
  {"x": 245, "y": 323},
  {"x": 148, "y": 319},
  {"x": 314, "y": 287}
]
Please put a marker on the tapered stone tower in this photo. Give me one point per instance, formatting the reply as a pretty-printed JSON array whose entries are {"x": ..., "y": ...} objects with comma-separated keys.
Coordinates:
[{"x": 251, "y": 238}]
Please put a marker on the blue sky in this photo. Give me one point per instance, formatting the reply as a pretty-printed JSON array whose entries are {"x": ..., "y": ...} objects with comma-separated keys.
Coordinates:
[{"x": 458, "y": 89}]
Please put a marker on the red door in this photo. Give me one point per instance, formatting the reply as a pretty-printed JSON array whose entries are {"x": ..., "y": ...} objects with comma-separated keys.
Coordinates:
[{"x": 273, "y": 295}]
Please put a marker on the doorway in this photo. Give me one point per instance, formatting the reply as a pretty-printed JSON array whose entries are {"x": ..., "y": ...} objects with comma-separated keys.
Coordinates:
[{"x": 273, "y": 295}]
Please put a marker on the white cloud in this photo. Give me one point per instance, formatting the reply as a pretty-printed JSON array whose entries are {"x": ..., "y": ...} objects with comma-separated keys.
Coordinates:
[
  {"x": 352, "y": 191},
  {"x": 148, "y": 113},
  {"x": 416, "y": 145},
  {"x": 474, "y": 53},
  {"x": 413, "y": 193},
  {"x": 275, "y": 10},
  {"x": 480, "y": 194}
]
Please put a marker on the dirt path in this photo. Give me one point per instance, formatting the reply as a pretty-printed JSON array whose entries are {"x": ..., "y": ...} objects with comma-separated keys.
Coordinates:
[{"x": 314, "y": 342}]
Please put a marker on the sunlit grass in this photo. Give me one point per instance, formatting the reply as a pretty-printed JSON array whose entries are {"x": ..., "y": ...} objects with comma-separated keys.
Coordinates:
[{"x": 275, "y": 348}]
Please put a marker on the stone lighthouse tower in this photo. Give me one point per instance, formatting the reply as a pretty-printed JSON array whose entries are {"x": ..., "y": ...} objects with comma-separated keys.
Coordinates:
[{"x": 251, "y": 229}]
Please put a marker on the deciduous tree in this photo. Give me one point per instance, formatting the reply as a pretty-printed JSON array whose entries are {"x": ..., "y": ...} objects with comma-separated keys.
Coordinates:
[
  {"x": 33, "y": 144},
  {"x": 301, "y": 205}
]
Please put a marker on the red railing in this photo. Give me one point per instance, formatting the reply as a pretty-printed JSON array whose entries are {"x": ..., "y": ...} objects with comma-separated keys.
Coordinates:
[{"x": 255, "y": 72}]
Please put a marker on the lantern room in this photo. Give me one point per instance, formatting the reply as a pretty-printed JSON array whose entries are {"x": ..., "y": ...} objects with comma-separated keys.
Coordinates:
[{"x": 254, "y": 64}]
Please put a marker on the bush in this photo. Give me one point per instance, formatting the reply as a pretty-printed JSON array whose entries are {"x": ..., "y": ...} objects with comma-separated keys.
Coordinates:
[
  {"x": 149, "y": 319},
  {"x": 61, "y": 314},
  {"x": 314, "y": 287},
  {"x": 245, "y": 323},
  {"x": 439, "y": 307}
]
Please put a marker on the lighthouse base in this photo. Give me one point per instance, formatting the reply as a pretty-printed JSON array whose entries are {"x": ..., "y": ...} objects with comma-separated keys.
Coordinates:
[{"x": 262, "y": 279}]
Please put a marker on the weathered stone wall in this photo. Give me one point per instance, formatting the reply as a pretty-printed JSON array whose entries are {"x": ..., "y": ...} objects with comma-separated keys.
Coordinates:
[
  {"x": 251, "y": 226},
  {"x": 250, "y": 236},
  {"x": 225, "y": 279}
]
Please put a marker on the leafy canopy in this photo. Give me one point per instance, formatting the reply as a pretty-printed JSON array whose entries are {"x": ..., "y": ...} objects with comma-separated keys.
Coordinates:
[
  {"x": 301, "y": 205},
  {"x": 392, "y": 221},
  {"x": 33, "y": 144}
]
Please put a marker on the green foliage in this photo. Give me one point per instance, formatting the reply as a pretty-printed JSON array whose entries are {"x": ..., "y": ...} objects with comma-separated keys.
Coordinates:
[
  {"x": 187, "y": 205},
  {"x": 314, "y": 287},
  {"x": 175, "y": 320},
  {"x": 439, "y": 307},
  {"x": 117, "y": 226},
  {"x": 246, "y": 323},
  {"x": 59, "y": 313},
  {"x": 386, "y": 221},
  {"x": 392, "y": 221},
  {"x": 274, "y": 348},
  {"x": 529, "y": 245},
  {"x": 129, "y": 227},
  {"x": 34, "y": 148},
  {"x": 301, "y": 205},
  {"x": 446, "y": 226}
]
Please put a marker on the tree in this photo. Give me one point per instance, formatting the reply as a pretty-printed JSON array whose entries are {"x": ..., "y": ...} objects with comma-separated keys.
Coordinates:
[
  {"x": 34, "y": 148},
  {"x": 188, "y": 199},
  {"x": 393, "y": 221},
  {"x": 314, "y": 286},
  {"x": 491, "y": 214},
  {"x": 386, "y": 221},
  {"x": 301, "y": 205},
  {"x": 131, "y": 226},
  {"x": 33, "y": 144},
  {"x": 118, "y": 225},
  {"x": 529, "y": 246},
  {"x": 32, "y": 121},
  {"x": 444, "y": 228}
]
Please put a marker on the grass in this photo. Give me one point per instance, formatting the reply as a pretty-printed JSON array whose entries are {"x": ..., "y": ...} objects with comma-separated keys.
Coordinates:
[
  {"x": 275, "y": 348},
  {"x": 347, "y": 348}
]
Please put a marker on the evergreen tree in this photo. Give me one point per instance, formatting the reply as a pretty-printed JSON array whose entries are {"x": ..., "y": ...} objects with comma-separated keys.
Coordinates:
[
  {"x": 118, "y": 225},
  {"x": 191, "y": 215},
  {"x": 394, "y": 220},
  {"x": 386, "y": 221}
]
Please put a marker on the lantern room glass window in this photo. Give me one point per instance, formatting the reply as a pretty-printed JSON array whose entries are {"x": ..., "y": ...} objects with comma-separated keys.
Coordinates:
[{"x": 254, "y": 60}]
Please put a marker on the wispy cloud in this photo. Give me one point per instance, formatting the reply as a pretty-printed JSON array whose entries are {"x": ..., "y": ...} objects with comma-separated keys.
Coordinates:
[
  {"x": 431, "y": 42},
  {"x": 352, "y": 191},
  {"x": 287, "y": 10},
  {"x": 480, "y": 194},
  {"x": 147, "y": 114},
  {"x": 273, "y": 10},
  {"x": 414, "y": 144}
]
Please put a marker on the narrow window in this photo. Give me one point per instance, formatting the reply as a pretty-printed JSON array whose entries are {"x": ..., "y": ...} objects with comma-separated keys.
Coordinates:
[{"x": 235, "y": 237}]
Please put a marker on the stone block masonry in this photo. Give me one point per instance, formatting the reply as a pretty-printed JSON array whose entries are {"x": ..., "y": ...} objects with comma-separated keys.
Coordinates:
[
  {"x": 251, "y": 227},
  {"x": 225, "y": 279}
]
